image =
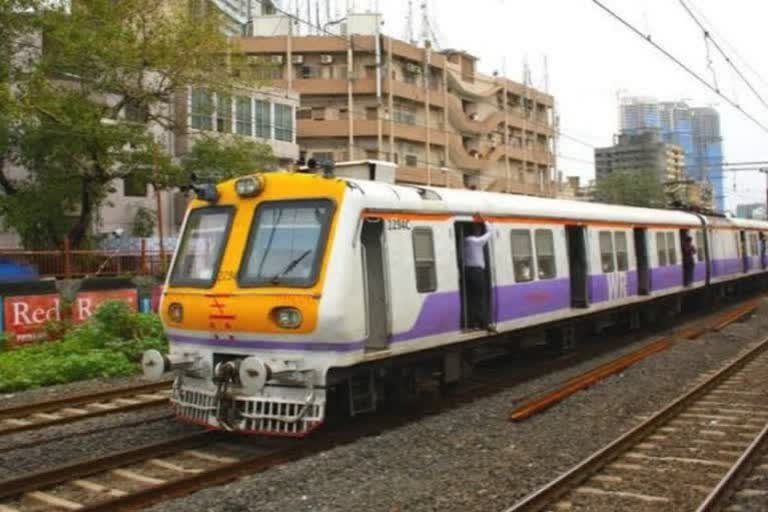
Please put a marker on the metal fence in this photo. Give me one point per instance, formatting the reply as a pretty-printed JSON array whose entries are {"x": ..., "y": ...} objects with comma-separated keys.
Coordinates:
[{"x": 66, "y": 263}]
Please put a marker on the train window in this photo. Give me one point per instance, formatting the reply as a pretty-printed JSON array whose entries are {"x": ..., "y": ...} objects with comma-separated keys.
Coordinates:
[
  {"x": 545, "y": 254},
  {"x": 202, "y": 245},
  {"x": 622, "y": 256},
  {"x": 424, "y": 258},
  {"x": 606, "y": 252},
  {"x": 671, "y": 249},
  {"x": 286, "y": 243},
  {"x": 753, "y": 244},
  {"x": 522, "y": 255},
  {"x": 738, "y": 244},
  {"x": 700, "y": 245},
  {"x": 661, "y": 249}
]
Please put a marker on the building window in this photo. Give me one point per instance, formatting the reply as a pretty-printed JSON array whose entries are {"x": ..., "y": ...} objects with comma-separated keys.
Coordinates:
[
  {"x": 223, "y": 113},
  {"x": 263, "y": 119},
  {"x": 134, "y": 186},
  {"x": 244, "y": 116},
  {"x": 545, "y": 254},
  {"x": 522, "y": 255},
  {"x": 424, "y": 260},
  {"x": 201, "y": 110},
  {"x": 671, "y": 249},
  {"x": 606, "y": 252},
  {"x": 411, "y": 161},
  {"x": 661, "y": 249},
  {"x": 622, "y": 255},
  {"x": 283, "y": 122}
]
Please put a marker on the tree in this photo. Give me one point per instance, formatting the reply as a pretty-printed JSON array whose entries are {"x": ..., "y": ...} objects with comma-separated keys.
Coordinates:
[
  {"x": 101, "y": 60},
  {"x": 635, "y": 188},
  {"x": 216, "y": 159}
]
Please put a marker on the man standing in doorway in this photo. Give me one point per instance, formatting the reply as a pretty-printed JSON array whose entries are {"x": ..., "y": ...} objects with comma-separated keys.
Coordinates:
[
  {"x": 689, "y": 262},
  {"x": 474, "y": 269}
]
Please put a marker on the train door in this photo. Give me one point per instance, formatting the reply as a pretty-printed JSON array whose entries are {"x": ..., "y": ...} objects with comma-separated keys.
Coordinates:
[
  {"x": 687, "y": 250},
  {"x": 473, "y": 314},
  {"x": 744, "y": 251},
  {"x": 762, "y": 242},
  {"x": 377, "y": 309},
  {"x": 578, "y": 267},
  {"x": 641, "y": 255}
]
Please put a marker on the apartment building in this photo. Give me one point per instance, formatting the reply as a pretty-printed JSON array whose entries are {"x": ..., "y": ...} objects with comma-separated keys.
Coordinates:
[
  {"x": 643, "y": 152},
  {"x": 369, "y": 96}
]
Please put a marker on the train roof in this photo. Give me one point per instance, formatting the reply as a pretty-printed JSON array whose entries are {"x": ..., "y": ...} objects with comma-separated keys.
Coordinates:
[{"x": 435, "y": 199}]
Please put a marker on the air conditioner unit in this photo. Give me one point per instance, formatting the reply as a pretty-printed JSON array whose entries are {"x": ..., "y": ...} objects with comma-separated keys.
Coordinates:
[
  {"x": 326, "y": 59},
  {"x": 297, "y": 59},
  {"x": 412, "y": 68},
  {"x": 277, "y": 59}
]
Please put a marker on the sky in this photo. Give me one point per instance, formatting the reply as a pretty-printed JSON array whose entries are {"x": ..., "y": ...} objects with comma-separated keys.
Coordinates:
[{"x": 593, "y": 59}]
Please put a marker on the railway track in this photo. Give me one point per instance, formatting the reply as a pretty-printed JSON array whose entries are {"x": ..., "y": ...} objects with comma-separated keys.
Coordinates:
[
  {"x": 685, "y": 457},
  {"x": 132, "y": 479},
  {"x": 76, "y": 408}
]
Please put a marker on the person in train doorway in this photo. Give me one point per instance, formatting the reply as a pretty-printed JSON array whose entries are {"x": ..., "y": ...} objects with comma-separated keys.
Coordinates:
[
  {"x": 689, "y": 254},
  {"x": 478, "y": 289}
]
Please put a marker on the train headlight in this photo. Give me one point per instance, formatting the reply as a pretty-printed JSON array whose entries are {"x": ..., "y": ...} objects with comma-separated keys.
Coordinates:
[
  {"x": 288, "y": 318},
  {"x": 176, "y": 312},
  {"x": 249, "y": 187}
]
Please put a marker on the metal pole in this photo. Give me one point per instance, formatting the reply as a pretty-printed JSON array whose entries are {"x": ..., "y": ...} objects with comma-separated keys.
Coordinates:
[{"x": 159, "y": 206}]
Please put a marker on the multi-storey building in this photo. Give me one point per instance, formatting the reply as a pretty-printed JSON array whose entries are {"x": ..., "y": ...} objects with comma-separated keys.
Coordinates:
[
  {"x": 696, "y": 130},
  {"x": 641, "y": 152},
  {"x": 369, "y": 96}
]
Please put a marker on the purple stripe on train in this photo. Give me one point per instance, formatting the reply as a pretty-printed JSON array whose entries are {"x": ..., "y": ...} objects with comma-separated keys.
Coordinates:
[
  {"x": 441, "y": 312},
  {"x": 612, "y": 286},
  {"x": 534, "y": 298},
  {"x": 670, "y": 276},
  {"x": 238, "y": 342},
  {"x": 727, "y": 267}
]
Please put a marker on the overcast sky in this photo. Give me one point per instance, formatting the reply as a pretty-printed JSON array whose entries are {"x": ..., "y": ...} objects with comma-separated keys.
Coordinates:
[{"x": 593, "y": 58}]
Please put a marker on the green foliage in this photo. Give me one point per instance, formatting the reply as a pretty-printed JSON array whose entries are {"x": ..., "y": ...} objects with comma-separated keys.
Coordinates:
[
  {"x": 109, "y": 344},
  {"x": 217, "y": 159},
  {"x": 637, "y": 188},
  {"x": 144, "y": 223},
  {"x": 104, "y": 62}
]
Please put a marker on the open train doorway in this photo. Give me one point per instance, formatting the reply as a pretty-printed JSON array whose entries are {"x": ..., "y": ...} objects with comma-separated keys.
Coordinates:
[
  {"x": 744, "y": 251},
  {"x": 377, "y": 309},
  {"x": 688, "y": 251},
  {"x": 578, "y": 268},
  {"x": 474, "y": 280},
  {"x": 641, "y": 256}
]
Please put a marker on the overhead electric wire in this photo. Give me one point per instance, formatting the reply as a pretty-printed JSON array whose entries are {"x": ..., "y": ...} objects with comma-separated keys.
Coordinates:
[
  {"x": 708, "y": 36},
  {"x": 677, "y": 61},
  {"x": 732, "y": 47}
]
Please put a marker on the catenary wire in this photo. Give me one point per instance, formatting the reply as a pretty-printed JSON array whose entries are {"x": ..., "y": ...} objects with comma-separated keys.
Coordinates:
[{"x": 679, "y": 63}]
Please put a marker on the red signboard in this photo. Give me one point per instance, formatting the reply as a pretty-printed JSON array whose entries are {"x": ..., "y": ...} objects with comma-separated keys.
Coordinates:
[{"x": 25, "y": 316}]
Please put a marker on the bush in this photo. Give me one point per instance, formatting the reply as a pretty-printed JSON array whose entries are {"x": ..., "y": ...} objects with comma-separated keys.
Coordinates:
[{"x": 109, "y": 344}]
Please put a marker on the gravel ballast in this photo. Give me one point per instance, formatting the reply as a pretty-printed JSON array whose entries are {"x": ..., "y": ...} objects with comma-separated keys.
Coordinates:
[{"x": 472, "y": 458}]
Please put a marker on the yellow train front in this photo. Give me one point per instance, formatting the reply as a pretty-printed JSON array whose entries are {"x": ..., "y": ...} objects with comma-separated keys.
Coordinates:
[{"x": 252, "y": 328}]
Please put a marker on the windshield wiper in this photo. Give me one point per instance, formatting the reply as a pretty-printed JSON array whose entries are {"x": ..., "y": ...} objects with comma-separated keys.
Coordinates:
[{"x": 291, "y": 266}]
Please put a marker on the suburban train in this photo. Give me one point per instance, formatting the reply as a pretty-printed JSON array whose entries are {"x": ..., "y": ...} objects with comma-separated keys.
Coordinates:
[{"x": 292, "y": 296}]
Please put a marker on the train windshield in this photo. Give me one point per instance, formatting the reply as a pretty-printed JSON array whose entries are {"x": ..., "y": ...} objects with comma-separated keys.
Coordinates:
[
  {"x": 202, "y": 245},
  {"x": 286, "y": 243}
]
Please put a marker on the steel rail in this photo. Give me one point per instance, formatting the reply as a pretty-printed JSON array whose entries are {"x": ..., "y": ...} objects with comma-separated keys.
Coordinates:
[
  {"x": 717, "y": 498},
  {"x": 52, "y": 406},
  {"x": 557, "y": 488},
  {"x": 69, "y": 472}
]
